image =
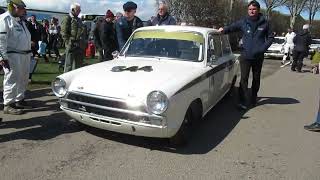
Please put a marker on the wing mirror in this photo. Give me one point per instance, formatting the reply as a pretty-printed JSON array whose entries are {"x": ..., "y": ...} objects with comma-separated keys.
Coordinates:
[{"x": 115, "y": 54}]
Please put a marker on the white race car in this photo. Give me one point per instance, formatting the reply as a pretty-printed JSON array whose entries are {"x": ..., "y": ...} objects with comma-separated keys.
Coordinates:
[
  {"x": 314, "y": 45},
  {"x": 276, "y": 50},
  {"x": 165, "y": 78}
]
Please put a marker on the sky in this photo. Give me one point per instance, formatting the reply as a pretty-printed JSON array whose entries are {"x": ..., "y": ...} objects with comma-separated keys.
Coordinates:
[
  {"x": 285, "y": 10},
  {"x": 146, "y": 8}
]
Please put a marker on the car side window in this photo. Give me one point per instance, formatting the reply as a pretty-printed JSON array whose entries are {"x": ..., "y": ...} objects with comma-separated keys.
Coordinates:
[
  {"x": 214, "y": 51},
  {"x": 226, "y": 48}
]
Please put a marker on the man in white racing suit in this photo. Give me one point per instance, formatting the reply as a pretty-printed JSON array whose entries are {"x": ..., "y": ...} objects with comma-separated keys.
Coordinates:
[
  {"x": 288, "y": 45},
  {"x": 15, "y": 54}
]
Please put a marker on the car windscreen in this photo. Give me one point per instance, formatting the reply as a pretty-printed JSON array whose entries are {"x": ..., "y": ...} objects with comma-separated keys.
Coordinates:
[
  {"x": 278, "y": 41},
  {"x": 187, "y": 46}
]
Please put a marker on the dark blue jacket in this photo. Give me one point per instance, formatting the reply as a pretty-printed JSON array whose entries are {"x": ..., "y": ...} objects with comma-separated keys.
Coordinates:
[
  {"x": 257, "y": 36},
  {"x": 124, "y": 31},
  {"x": 166, "y": 20},
  {"x": 302, "y": 41}
]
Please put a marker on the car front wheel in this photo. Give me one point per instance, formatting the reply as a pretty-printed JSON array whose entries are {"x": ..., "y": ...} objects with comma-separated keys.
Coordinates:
[{"x": 184, "y": 134}]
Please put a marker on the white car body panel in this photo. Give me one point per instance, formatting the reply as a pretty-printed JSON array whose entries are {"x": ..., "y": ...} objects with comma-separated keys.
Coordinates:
[
  {"x": 276, "y": 50},
  {"x": 183, "y": 82}
]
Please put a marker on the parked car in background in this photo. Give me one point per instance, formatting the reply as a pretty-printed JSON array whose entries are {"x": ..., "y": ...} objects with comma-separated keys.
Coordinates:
[
  {"x": 314, "y": 45},
  {"x": 165, "y": 79},
  {"x": 276, "y": 50}
]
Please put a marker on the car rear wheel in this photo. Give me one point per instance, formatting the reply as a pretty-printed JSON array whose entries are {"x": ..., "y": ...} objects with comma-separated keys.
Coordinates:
[{"x": 184, "y": 134}]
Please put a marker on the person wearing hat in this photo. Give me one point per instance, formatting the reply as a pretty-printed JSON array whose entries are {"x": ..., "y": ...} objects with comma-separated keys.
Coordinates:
[
  {"x": 14, "y": 57},
  {"x": 105, "y": 37},
  {"x": 163, "y": 17},
  {"x": 72, "y": 30},
  {"x": 128, "y": 23},
  {"x": 301, "y": 41},
  {"x": 257, "y": 37}
]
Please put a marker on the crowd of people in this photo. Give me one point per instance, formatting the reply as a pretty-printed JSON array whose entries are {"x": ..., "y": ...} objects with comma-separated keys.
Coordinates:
[
  {"x": 27, "y": 39},
  {"x": 21, "y": 39}
]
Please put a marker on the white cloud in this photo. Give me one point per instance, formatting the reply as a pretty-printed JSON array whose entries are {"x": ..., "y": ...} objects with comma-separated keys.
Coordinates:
[{"x": 146, "y": 8}]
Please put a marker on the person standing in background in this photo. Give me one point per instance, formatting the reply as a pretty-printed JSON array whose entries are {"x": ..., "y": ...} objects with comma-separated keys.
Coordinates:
[
  {"x": 15, "y": 57},
  {"x": 96, "y": 37},
  {"x": 288, "y": 45},
  {"x": 301, "y": 41},
  {"x": 54, "y": 33},
  {"x": 163, "y": 17},
  {"x": 127, "y": 24},
  {"x": 72, "y": 31},
  {"x": 34, "y": 28},
  {"x": 106, "y": 37}
]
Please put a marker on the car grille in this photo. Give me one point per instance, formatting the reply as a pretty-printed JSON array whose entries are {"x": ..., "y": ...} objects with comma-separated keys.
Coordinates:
[{"x": 103, "y": 106}]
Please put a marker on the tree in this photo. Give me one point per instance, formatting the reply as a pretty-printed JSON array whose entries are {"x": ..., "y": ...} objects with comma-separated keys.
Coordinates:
[
  {"x": 272, "y": 4},
  {"x": 295, "y": 7},
  {"x": 312, "y": 7}
]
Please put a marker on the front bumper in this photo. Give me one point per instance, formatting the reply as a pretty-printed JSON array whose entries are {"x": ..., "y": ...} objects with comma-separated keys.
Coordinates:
[{"x": 118, "y": 125}]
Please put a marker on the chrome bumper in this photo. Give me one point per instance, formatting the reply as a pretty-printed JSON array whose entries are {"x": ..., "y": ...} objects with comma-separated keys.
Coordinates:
[{"x": 118, "y": 125}]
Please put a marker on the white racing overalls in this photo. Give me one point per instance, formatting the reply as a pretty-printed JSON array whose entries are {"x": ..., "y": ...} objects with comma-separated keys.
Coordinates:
[
  {"x": 289, "y": 45},
  {"x": 15, "y": 46}
]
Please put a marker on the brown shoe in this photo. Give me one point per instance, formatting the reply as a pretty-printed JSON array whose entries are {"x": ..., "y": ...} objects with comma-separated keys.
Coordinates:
[{"x": 11, "y": 109}]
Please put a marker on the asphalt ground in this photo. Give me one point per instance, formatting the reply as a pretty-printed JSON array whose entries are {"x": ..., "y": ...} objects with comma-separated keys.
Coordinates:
[{"x": 266, "y": 142}]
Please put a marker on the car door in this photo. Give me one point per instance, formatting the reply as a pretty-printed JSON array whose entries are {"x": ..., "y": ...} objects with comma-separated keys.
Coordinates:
[
  {"x": 228, "y": 60},
  {"x": 216, "y": 69}
]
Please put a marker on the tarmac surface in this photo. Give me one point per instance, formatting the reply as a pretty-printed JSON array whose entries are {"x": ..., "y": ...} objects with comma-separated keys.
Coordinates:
[{"x": 266, "y": 142}]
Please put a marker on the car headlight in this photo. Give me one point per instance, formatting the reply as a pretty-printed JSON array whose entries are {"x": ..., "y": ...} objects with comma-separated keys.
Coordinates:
[
  {"x": 157, "y": 102},
  {"x": 59, "y": 87}
]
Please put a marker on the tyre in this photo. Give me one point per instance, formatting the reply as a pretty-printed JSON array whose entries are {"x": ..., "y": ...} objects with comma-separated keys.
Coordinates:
[{"x": 182, "y": 137}]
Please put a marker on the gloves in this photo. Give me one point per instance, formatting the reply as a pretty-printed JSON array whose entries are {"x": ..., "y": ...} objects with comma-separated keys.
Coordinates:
[{"x": 5, "y": 64}]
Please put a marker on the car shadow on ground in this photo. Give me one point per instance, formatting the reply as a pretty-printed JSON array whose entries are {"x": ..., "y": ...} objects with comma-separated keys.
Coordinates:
[
  {"x": 208, "y": 134},
  {"x": 38, "y": 128}
]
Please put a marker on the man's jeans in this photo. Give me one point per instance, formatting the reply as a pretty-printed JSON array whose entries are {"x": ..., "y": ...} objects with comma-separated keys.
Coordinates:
[{"x": 245, "y": 67}]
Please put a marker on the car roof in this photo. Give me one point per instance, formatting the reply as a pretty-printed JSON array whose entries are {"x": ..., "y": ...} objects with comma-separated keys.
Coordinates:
[{"x": 202, "y": 30}]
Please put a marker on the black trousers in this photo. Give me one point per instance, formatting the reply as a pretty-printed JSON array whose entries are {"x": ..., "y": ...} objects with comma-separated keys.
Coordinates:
[
  {"x": 246, "y": 66},
  {"x": 53, "y": 44},
  {"x": 297, "y": 60}
]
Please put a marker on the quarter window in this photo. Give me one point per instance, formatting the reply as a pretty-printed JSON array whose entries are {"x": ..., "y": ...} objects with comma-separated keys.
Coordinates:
[
  {"x": 226, "y": 48},
  {"x": 214, "y": 51}
]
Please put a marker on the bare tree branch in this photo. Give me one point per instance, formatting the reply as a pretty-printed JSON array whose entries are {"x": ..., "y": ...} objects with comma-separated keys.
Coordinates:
[
  {"x": 272, "y": 4},
  {"x": 295, "y": 7},
  {"x": 312, "y": 7}
]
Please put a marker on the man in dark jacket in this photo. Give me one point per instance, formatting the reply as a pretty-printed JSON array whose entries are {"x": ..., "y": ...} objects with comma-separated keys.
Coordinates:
[
  {"x": 35, "y": 30},
  {"x": 105, "y": 37},
  {"x": 163, "y": 17},
  {"x": 301, "y": 42},
  {"x": 127, "y": 24},
  {"x": 257, "y": 37}
]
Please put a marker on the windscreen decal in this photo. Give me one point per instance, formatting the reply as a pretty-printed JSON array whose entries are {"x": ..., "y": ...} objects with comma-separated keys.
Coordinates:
[{"x": 186, "y": 36}]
